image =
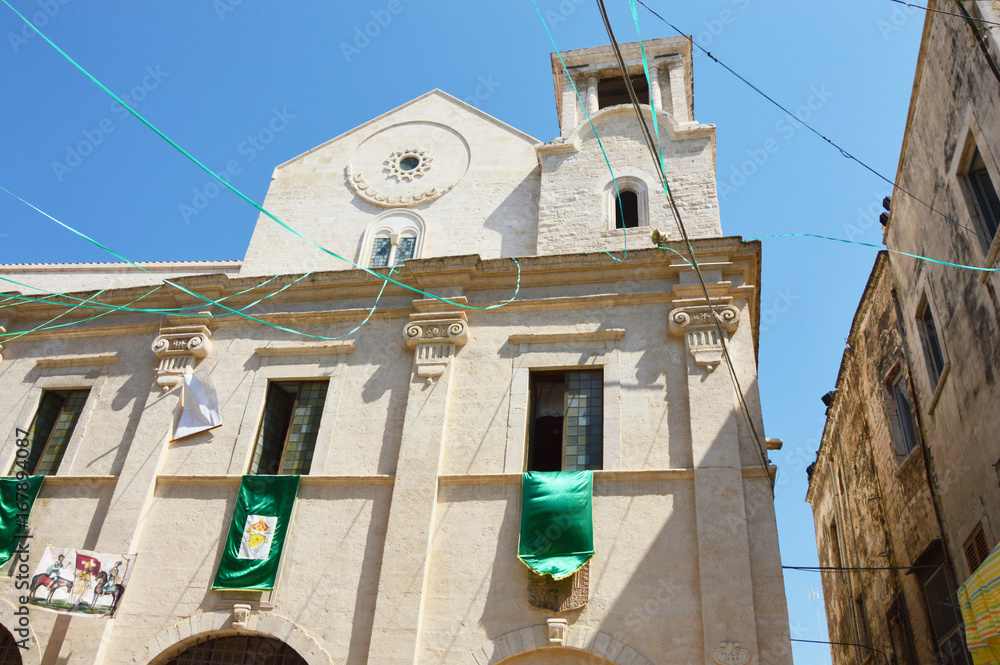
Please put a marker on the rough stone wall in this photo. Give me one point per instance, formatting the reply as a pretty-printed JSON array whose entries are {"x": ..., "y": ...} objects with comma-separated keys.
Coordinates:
[
  {"x": 955, "y": 107},
  {"x": 880, "y": 505}
]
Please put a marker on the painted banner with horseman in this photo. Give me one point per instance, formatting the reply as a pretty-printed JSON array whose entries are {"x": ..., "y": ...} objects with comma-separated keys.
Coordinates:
[{"x": 80, "y": 582}]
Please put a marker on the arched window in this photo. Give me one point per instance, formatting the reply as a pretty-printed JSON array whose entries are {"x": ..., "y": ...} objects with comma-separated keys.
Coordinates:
[
  {"x": 10, "y": 653},
  {"x": 626, "y": 210},
  {"x": 392, "y": 239},
  {"x": 239, "y": 650},
  {"x": 627, "y": 205}
]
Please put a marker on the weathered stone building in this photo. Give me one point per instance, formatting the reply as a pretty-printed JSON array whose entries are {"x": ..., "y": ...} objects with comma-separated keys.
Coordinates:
[
  {"x": 403, "y": 543},
  {"x": 907, "y": 471}
]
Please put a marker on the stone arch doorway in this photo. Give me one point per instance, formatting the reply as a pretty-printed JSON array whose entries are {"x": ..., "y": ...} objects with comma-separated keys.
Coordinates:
[
  {"x": 235, "y": 650},
  {"x": 10, "y": 653},
  {"x": 555, "y": 656}
]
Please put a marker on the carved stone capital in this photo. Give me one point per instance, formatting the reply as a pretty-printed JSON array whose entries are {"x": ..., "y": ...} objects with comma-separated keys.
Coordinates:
[
  {"x": 435, "y": 336},
  {"x": 178, "y": 348},
  {"x": 695, "y": 324},
  {"x": 558, "y": 630},
  {"x": 730, "y": 653}
]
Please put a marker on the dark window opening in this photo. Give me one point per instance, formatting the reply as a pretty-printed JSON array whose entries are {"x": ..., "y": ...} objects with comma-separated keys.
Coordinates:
[
  {"x": 626, "y": 210},
  {"x": 900, "y": 633},
  {"x": 612, "y": 91},
  {"x": 51, "y": 429},
  {"x": 863, "y": 630},
  {"x": 239, "y": 650},
  {"x": 986, "y": 194},
  {"x": 945, "y": 619},
  {"x": 834, "y": 546},
  {"x": 932, "y": 344},
  {"x": 906, "y": 439},
  {"x": 288, "y": 430},
  {"x": 565, "y": 430},
  {"x": 976, "y": 548}
]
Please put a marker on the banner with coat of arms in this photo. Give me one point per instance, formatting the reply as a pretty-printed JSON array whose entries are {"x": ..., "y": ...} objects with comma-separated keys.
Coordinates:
[
  {"x": 257, "y": 533},
  {"x": 80, "y": 582}
]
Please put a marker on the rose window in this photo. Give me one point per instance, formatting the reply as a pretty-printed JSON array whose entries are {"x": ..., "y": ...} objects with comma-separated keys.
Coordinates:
[{"x": 405, "y": 165}]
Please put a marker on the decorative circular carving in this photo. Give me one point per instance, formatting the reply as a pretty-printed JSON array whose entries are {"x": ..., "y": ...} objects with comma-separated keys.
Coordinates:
[
  {"x": 728, "y": 314},
  {"x": 680, "y": 318},
  {"x": 161, "y": 345},
  {"x": 406, "y": 178},
  {"x": 196, "y": 342},
  {"x": 407, "y": 164},
  {"x": 413, "y": 332},
  {"x": 456, "y": 329}
]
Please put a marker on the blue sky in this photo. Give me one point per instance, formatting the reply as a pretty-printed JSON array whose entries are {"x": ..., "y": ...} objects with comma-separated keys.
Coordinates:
[{"x": 214, "y": 74}]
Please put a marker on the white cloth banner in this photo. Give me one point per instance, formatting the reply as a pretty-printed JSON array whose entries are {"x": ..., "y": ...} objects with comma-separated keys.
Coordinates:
[{"x": 200, "y": 405}]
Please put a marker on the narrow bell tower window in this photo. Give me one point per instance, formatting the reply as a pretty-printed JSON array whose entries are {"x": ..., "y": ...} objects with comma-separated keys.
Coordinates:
[{"x": 626, "y": 210}]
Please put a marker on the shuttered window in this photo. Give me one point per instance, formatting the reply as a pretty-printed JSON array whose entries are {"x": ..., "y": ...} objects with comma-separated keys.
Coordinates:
[{"x": 976, "y": 548}]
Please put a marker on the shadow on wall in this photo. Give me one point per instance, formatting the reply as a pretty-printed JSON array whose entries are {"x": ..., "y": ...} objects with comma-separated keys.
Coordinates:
[{"x": 520, "y": 204}]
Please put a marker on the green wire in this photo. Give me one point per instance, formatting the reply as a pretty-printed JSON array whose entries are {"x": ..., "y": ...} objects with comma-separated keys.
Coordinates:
[
  {"x": 589, "y": 121},
  {"x": 14, "y": 336},
  {"x": 233, "y": 189},
  {"x": 73, "y": 323}
]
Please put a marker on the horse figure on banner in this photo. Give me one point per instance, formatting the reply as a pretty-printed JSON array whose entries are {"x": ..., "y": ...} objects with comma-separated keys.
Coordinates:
[
  {"x": 109, "y": 584},
  {"x": 52, "y": 584}
]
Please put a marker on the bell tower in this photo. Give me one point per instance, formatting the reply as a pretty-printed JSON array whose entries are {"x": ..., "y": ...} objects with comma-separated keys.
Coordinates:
[{"x": 582, "y": 207}]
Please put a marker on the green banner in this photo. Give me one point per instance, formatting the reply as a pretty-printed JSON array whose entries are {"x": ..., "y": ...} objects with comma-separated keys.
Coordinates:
[
  {"x": 257, "y": 533},
  {"x": 16, "y": 498},
  {"x": 557, "y": 524}
]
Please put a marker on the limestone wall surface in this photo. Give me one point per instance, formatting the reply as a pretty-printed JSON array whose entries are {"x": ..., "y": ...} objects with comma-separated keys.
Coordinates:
[
  {"x": 950, "y": 117},
  {"x": 394, "y": 447}
]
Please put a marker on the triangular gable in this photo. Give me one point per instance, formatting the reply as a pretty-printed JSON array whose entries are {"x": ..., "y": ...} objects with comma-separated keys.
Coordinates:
[{"x": 435, "y": 92}]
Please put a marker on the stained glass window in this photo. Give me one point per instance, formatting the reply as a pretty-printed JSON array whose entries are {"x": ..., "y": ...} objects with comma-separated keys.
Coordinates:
[
  {"x": 381, "y": 248},
  {"x": 405, "y": 249},
  {"x": 288, "y": 430},
  {"x": 566, "y": 431},
  {"x": 52, "y": 428}
]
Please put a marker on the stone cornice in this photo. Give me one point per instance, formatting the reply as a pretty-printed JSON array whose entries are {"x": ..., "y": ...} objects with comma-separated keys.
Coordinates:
[
  {"x": 350, "y": 480},
  {"x": 611, "y": 335},
  {"x": 287, "y": 349},
  {"x": 77, "y": 361},
  {"x": 609, "y": 476},
  {"x": 493, "y": 278}
]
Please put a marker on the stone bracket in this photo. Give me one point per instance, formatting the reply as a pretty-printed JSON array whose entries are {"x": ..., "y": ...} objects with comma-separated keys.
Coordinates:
[
  {"x": 695, "y": 325},
  {"x": 178, "y": 348},
  {"x": 435, "y": 337},
  {"x": 558, "y": 632}
]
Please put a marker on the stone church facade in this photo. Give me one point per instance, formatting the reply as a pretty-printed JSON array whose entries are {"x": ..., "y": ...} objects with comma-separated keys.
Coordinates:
[{"x": 403, "y": 542}]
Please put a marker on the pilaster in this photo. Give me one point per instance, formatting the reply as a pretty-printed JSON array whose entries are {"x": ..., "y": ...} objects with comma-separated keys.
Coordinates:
[
  {"x": 678, "y": 90},
  {"x": 435, "y": 333},
  {"x": 720, "y": 506}
]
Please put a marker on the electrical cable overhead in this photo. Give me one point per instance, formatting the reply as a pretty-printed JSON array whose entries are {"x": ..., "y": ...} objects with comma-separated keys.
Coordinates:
[
  {"x": 941, "y": 11},
  {"x": 848, "y": 569},
  {"x": 812, "y": 129},
  {"x": 657, "y": 155},
  {"x": 847, "y": 644},
  {"x": 225, "y": 183}
]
